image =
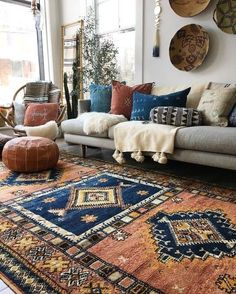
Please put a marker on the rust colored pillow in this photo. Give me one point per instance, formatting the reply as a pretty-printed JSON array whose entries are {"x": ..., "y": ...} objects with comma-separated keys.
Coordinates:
[
  {"x": 122, "y": 97},
  {"x": 38, "y": 114}
]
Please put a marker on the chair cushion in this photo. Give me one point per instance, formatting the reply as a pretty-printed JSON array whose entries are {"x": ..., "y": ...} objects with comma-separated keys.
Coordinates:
[
  {"x": 121, "y": 101},
  {"x": 38, "y": 114},
  {"x": 143, "y": 103},
  {"x": 19, "y": 112},
  {"x": 100, "y": 98},
  {"x": 207, "y": 138},
  {"x": 75, "y": 126}
]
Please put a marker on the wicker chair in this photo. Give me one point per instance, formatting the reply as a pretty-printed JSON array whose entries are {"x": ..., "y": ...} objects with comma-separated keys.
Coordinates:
[{"x": 9, "y": 118}]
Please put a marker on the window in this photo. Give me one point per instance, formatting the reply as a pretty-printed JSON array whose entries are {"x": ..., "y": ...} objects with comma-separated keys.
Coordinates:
[
  {"x": 18, "y": 48},
  {"x": 116, "y": 20}
]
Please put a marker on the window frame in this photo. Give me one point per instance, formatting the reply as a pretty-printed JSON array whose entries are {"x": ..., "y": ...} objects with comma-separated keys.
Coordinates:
[
  {"x": 39, "y": 37},
  {"x": 139, "y": 40}
]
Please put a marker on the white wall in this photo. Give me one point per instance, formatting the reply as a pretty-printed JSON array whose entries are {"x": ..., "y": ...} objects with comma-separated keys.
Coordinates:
[{"x": 220, "y": 64}]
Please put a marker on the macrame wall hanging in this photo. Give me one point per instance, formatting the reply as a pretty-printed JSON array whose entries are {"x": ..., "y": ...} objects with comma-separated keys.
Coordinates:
[{"x": 157, "y": 13}]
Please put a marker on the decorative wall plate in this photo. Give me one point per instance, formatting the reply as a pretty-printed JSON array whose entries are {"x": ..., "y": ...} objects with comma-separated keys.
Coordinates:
[
  {"x": 187, "y": 8},
  {"x": 189, "y": 47},
  {"x": 225, "y": 16}
]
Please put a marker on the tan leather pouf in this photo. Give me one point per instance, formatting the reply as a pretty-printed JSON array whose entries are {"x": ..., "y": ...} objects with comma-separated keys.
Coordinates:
[{"x": 30, "y": 154}]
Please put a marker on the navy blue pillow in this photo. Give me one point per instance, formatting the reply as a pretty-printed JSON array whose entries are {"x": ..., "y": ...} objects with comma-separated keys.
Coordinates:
[
  {"x": 100, "y": 98},
  {"x": 232, "y": 117},
  {"x": 143, "y": 104}
]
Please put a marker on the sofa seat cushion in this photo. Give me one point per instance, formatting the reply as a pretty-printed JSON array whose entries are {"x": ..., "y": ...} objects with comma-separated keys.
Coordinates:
[
  {"x": 75, "y": 126},
  {"x": 207, "y": 138}
]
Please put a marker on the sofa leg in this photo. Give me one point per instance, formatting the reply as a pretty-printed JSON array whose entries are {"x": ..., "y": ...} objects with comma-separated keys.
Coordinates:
[{"x": 84, "y": 149}]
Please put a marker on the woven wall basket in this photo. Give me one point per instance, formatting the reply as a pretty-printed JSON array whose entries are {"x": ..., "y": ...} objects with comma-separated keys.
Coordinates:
[
  {"x": 189, "y": 47},
  {"x": 187, "y": 8},
  {"x": 225, "y": 16}
]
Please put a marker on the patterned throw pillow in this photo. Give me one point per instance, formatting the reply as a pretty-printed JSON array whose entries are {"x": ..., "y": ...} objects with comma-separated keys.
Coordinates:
[
  {"x": 142, "y": 103},
  {"x": 100, "y": 98},
  {"x": 121, "y": 101},
  {"x": 37, "y": 92},
  {"x": 177, "y": 116},
  {"x": 232, "y": 116},
  {"x": 216, "y": 106},
  {"x": 38, "y": 114}
]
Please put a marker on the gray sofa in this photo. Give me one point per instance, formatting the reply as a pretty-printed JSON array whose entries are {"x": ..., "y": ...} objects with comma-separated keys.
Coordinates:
[{"x": 205, "y": 145}]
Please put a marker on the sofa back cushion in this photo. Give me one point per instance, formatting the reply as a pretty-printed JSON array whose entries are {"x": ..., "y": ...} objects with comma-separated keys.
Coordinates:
[
  {"x": 121, "y": 102},
  {"x": 216, "y": 106},
  {"x": 100, "y": 96},
  {"x": 177, "y": 116},
  {"x": 142, "y": 103},
  {"x": 38, "y": 114},
  {"x": 194, "y": 95}
]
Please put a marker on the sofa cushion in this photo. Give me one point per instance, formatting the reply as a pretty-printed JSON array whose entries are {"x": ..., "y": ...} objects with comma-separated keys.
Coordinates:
[
  {"x": 216, "y": 106},
  {"x": 121, "y": 101},
  {"x": 232, "y": 117},
  {"x": 194, "y": 95},
  {"x": 143, "y": 103},
  {"x": 207, "y": 138},
  {"x": 100, "y": 96},
  {"x": 177, "y": 116},
  {"x": 75, "y": 126},
  {"x": 215, "y": 86}
]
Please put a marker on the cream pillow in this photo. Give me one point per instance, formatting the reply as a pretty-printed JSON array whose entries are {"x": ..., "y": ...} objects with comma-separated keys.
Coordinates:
[
  {"x": 216, "y": 106},
  {"x": 193, "y": 97}
]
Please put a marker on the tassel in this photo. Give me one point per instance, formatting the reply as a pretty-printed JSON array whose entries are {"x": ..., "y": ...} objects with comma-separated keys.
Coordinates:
[
  {"x": 156, "y": 48},
  {"x": 138, "y": 156},
  {"x": 119, "y": 157},
  {"x": 156, "y": 157},
  {"x": 116, "y": 154},
  {"x": 163, "y": 158}
]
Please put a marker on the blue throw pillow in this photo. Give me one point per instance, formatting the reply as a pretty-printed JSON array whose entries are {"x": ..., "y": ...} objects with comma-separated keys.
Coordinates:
[
  {"x": 143, "y": 104},
  {"x": 100, "y": 98},
  {"x": 232, "y": 117}
]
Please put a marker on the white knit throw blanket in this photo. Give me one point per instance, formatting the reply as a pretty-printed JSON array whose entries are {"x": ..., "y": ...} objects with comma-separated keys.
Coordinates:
[
  {"x": 99, "y": 122},
  {"x": 137, "y": 137}
]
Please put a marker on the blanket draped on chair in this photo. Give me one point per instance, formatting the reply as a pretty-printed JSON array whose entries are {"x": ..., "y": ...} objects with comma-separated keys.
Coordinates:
[{"x": 137, "y": 137}]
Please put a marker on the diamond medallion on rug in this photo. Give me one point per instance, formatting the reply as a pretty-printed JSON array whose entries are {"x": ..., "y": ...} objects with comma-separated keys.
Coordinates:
[
  {"x": 193, "y": 234},
  {"x": 108, "y": 229},
  {"x": 75, "y": 208}
]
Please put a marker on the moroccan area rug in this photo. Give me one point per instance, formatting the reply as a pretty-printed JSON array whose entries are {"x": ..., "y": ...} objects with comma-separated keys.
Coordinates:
[{"x": 91, "y": 227}]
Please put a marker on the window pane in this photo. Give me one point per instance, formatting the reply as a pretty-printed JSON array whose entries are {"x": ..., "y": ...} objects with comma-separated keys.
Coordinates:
[
  {"x": 127, "y": 13},
  {"x": 18, "y": 49},
  {"x": 125, "y": 42},
  {"x": 107, "y": 16}
]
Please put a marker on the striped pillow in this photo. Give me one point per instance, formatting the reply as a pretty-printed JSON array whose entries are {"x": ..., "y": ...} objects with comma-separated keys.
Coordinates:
[{"x": 177, "y": 116}]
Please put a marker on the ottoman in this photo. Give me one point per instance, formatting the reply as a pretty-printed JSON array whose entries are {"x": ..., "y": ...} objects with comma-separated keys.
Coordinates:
[{"x": 30, "y": 154}]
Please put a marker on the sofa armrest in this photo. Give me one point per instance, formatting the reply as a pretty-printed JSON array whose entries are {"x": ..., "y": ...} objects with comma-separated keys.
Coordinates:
[{"x": 84, "y": 106}]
